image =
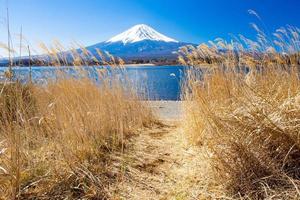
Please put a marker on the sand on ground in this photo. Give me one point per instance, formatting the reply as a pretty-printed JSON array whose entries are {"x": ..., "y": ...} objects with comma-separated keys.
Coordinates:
[{"x": 167, "y": 110}]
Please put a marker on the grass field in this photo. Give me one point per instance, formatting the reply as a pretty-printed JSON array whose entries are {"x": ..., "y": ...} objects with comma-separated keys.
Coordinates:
[{"x": 244, "y": 112}]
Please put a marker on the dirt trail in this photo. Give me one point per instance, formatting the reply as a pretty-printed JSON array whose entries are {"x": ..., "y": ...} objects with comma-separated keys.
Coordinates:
[{"x": 160, "y": 164}]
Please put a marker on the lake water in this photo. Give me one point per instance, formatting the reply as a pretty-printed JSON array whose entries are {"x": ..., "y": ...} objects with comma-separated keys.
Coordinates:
[{"x": 151, "y": 82}]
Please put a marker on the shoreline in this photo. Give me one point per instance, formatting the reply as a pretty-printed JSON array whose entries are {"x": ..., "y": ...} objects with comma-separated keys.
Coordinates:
[{"x": 166, "y": 110}]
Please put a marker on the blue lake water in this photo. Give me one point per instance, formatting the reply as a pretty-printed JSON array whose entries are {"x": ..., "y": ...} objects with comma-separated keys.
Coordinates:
[{"x": 150, "y": 82}]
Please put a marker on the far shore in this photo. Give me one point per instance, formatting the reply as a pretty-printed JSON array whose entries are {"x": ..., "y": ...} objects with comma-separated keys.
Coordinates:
[
  {"x": 126, "y": 65},
  {"x": 136, "y": 65}
]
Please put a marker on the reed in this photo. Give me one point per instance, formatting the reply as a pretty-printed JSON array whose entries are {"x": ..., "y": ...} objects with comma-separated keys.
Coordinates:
[
  {"x": 243, "y": 111},
  {"x": 64, "y": 140}
]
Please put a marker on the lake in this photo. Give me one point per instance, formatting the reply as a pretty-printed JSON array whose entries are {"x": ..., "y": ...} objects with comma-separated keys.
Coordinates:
[{"x": 150, "y": 82}]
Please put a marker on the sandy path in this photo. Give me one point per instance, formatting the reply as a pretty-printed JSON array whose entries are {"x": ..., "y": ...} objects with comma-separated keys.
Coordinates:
[{"x": 160, "y": 163}]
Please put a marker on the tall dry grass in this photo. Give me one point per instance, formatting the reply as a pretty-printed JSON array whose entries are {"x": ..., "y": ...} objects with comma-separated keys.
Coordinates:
[
  {"x": 63, "y": 140},
  {"x": 58, "y": 141},
  {"x": 244, "y": 111}
]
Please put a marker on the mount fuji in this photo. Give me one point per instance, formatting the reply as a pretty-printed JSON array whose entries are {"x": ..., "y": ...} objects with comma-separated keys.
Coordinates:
[{"x": 141, "y": 42}]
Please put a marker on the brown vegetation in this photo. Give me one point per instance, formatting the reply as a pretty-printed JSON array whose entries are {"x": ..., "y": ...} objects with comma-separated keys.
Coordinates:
[
  {"x": 57, "y": 141},
  {"x": 245, "y": 111}
]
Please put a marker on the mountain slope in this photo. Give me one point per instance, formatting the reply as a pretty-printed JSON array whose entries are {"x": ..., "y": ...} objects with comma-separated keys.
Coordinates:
[
  {"x": 143, "y": 49},
  {"x": 140, "y": 42}
]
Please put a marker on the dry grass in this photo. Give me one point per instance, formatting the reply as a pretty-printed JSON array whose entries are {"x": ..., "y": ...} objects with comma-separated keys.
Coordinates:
[
  {"x": 247, "y": 123},
  {"x": 63, "y": 140},
  {"x": 57, "y": 141}
]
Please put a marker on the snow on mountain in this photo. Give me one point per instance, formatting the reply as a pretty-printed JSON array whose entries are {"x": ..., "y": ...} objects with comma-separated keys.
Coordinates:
[
  {"x": 139, "y": 33},
  {"x": 139, "y": 42}
]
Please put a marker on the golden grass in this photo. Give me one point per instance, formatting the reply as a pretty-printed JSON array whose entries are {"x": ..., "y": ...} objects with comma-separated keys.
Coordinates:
[
  {"x": 62, "y": 140},
  {"x": 57, "y": 141},
  {"x": 247, "y": 123}
]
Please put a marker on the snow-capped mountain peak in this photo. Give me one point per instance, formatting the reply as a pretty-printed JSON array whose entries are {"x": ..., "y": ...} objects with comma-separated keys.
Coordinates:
[{"x": 139, "y": 33}]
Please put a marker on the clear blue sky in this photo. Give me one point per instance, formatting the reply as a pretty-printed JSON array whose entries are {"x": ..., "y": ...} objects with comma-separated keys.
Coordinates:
[{"x": 92, "y": 21}]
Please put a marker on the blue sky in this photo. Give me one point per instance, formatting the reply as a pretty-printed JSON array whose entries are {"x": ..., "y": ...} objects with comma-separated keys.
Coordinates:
[{"x": 92, "y": 21}]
